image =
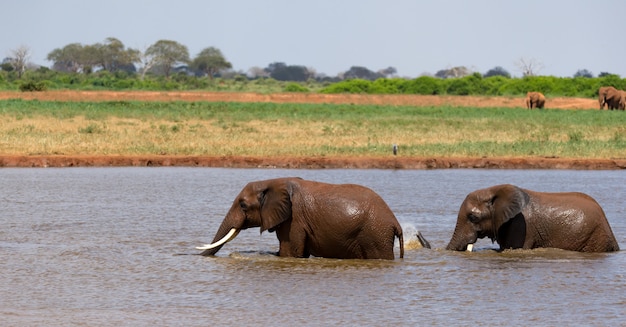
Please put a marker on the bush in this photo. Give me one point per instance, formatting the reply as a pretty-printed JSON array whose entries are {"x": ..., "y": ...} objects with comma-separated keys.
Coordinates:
[
  {"x": 425, "y": 85},
  {"x": 295, "y": 87},
  {"x": 387, "y": 86},
  {"x": 32, "y": 86},
  {"x": 349, "y": 86}
]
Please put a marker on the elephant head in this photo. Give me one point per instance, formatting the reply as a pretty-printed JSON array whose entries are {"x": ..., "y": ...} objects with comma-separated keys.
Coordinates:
[
  {"x": 264, "y": 204},
  {"x": 483, "y": 212}
]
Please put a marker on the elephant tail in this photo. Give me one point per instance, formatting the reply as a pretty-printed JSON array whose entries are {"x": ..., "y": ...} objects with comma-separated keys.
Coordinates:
[{"x": 398, "y": 233}]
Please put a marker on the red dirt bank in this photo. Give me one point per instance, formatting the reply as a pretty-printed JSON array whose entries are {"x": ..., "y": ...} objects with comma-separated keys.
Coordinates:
[
  {"x": 311, "y": 162},
  {"x": 391, "y": 162}
]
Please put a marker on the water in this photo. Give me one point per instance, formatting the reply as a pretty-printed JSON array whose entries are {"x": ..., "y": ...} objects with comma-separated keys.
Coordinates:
[{"x": 102, "y": 247}]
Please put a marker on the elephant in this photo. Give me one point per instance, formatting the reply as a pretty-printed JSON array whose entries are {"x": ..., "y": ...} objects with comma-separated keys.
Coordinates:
[
  {"x": 310, "y": 218},
  {"x": 518, "y": 218},
  {"x": 535, "y": 100},
  {"x": 612, "y": 98}
]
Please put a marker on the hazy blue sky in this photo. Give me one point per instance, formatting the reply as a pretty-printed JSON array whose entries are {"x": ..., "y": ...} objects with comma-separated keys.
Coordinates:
[{"x": 414, "y": 36}]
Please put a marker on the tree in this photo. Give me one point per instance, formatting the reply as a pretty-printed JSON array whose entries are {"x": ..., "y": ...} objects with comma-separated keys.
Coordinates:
[
  {"x": 89, "y": 58},
  {"x": 361, "y": 73},
  {"x": 281, "y": 72},
  {"x": 454, "y": 72},
  {"x": 210, "y": 61},
  {"x": 583, "y": 73},
  {"x": 605, "y": 74},
  {"x": 112, "y": 55},
  {"x": 165, "y": 54},
  {"x": 388, "y": 72},
  {"x": 146, "y": 61},
  {"x": 68, "y": 58},
  {"x": 529, "y": 66},
  {"x": 6, "y": 64},
  {"x": 497, "y": 71},
  {"x": 257, "y": 72},
  {"x": 19, "y": 59}
]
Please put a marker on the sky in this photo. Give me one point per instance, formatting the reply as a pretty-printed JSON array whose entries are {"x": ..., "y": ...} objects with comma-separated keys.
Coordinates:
[{"x": 416, "y": 37}]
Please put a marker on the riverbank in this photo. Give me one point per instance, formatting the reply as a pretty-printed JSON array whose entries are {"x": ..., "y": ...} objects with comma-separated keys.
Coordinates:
[{"x": 310, "y": 162}]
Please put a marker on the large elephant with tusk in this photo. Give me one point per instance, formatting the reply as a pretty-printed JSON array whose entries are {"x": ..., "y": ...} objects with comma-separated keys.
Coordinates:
[
  {"x": 310, "y": 218},
  {"x": 517, "y": 218},
  {"x": 612, "y": 98}
]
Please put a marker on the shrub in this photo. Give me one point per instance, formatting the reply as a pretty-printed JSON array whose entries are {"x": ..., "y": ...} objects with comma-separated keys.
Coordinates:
[
  {"x": 295, "y": 87},
  {"x": 387, "y": 86},
  {"x": 32, "y": 86},
  {"x": 349, "y": 86},
  {"x": 423, "y": 85}
]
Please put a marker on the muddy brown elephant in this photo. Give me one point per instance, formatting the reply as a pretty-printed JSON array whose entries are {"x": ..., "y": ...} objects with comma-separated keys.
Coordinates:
[
  {"x": 310, "y": 218},
  {"x": 612, "y": 98},
  {"x": 517, "y": 218},
  {"x": 535, "y": 100}
]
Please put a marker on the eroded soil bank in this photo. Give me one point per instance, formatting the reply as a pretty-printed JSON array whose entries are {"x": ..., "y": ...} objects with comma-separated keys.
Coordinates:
[{"x": 311, "y": 162}]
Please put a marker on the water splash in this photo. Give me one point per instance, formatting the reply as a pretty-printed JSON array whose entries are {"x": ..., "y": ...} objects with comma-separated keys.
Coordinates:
[{"x": 411, "y": 239}]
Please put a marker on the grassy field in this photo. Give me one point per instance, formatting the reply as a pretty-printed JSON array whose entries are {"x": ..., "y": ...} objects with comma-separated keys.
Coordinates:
[{"x": 274, "y": 129}]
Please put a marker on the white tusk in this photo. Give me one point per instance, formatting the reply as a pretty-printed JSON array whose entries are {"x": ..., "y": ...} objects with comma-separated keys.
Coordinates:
[
  {"x": 233, "y": 232},
  {"x": 470, "y": 247}
]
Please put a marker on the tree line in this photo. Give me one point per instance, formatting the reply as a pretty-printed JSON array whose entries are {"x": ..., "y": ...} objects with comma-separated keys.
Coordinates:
[
  {"x": 167, "y": 57},
  {"x": 167, "y": 65}
]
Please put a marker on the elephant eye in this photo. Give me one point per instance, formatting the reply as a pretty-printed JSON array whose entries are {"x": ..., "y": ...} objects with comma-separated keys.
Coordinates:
[
  {"x": 243, "y": 205},
  {"x": 472, "y": 218}
]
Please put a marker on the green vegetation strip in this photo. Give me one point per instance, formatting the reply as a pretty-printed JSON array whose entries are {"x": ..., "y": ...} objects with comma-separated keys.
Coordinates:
[{"x": 271, "y": 129}]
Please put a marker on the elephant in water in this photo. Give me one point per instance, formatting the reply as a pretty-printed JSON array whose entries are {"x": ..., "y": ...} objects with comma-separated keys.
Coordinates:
[
  {"x": 344, "y": 221},
  {"x": 612, "y": 98},
  {"x": 517, "y": 218},
  {"x": 535, "y": 100}
]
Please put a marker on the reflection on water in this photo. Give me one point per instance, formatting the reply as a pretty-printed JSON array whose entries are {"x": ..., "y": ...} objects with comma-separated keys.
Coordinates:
[{"x": 102, "y": 246}]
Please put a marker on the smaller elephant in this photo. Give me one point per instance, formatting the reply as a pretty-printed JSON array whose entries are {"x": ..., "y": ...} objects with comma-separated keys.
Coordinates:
[
  {"x": 517, "y": 218},
  {"x": 612, "y": 98},
  {"x": 535, "y": 100},
  {"x": 343, "y": 221}
]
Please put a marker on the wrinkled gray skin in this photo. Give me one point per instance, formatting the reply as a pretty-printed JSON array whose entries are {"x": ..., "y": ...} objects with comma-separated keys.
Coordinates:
[
  {"x": 344, "y": 221},
  {"x": 519, "y": 218}
]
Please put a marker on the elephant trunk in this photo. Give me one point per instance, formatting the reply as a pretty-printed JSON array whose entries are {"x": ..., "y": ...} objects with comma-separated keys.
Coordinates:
[
  {"x": 226, "y": 232},
  {"x": 462, "y": 241}
]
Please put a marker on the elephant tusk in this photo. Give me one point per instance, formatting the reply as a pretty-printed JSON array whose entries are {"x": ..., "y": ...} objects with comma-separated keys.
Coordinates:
[
  {"x": 231, "y": 234},
  {"x": 470, "y": 247}
]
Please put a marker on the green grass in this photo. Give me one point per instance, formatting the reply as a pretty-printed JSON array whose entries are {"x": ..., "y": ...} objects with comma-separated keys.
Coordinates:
[{"x": 271, "y": 129}]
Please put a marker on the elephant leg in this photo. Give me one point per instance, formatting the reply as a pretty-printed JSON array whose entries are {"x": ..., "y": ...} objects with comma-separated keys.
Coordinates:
[{"x": 293, "y": 242}]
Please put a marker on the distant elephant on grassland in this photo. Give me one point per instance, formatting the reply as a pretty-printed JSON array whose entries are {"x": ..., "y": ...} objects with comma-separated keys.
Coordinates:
[
  {"x": 345, "y": 221},
  {"x": 612, "y": 98},
  {"x": 535, "y": 100},
  {"x": 517, "y": 218}
]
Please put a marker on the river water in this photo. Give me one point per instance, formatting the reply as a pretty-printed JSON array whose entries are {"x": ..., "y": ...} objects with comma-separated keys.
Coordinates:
[{"x": 113, "y": 247}]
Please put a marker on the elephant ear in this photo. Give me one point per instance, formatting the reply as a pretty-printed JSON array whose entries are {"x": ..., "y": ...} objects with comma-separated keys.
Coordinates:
[
  {"x": 275, "y": 202},
  {"x": 508, "y": 201}
]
